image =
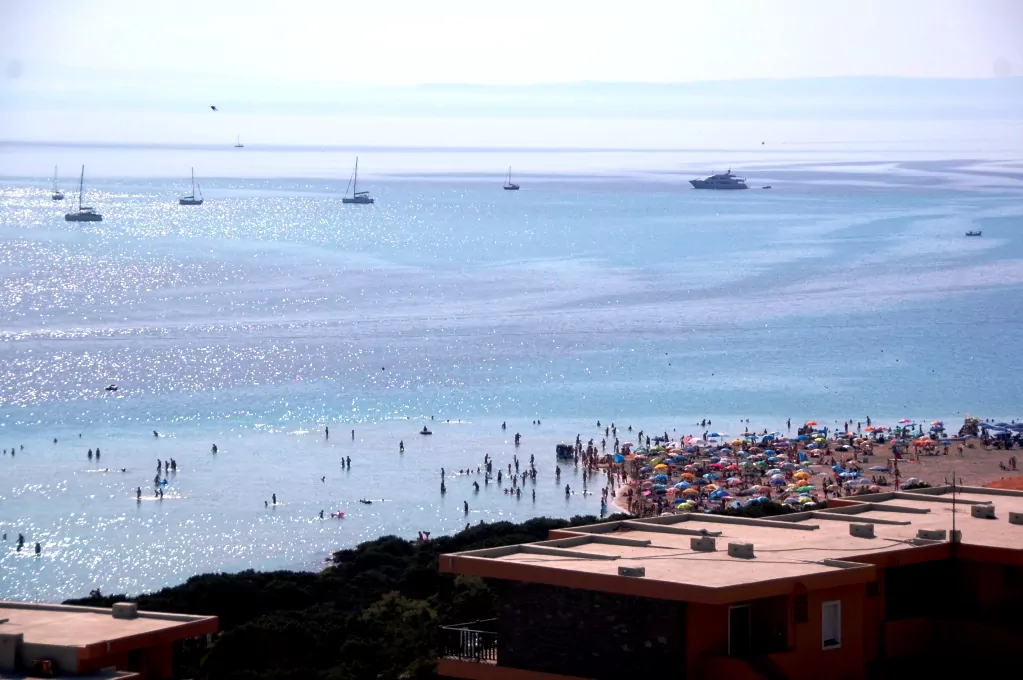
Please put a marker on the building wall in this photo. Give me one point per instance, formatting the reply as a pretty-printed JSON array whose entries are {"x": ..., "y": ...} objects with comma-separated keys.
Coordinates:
[
  {"x": 588, "y": 633},
  {"x": 781, "y": 646}
]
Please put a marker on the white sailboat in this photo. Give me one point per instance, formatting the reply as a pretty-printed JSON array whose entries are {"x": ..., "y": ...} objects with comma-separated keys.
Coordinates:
[
  {"x": 191, "y": 198},
  {"x": 58, "y": 195},
  {"x": 85, "y": 213},
  {"x": 509, "y": 185},
  {"x": 238, "y": 143},
  {"x": 359, "y": 197}
]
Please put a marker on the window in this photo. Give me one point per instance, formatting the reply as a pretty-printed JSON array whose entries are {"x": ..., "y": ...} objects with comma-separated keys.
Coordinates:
[{"x": 831, "y": 625}]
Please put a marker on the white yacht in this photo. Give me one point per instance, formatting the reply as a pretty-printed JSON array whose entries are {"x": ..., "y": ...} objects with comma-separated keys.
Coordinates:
[
  {"x": 57, "y": 195},
  {"x": 723, "y": 181},
  {"x": 359, "y": 197},
  {"x": 510, "y": 185},
  {"x": 85, "y": 213},
  {"x": 192, "y": 199}
]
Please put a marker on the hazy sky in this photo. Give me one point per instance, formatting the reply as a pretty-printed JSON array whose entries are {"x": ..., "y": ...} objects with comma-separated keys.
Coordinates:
[{"x": 391, "y": 42}]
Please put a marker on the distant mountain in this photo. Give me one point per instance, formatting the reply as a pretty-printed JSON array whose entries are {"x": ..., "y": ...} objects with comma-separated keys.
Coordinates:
[{"x": 50, "y": 87}]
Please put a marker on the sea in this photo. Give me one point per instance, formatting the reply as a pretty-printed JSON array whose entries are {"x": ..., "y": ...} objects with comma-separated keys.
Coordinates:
[{"x": 606, "y": 289}]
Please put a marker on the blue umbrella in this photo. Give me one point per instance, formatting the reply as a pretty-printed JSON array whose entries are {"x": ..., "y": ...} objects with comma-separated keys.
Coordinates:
[
  {"x": 773, "y": 471},
  {"x": 710, "y": 475},
  {"x": 802, "y": 438},
  {"x": 682, "y": 485},
  {"x": 770, "y": 452},
  {"x": 713, "y": 434},
  {"x": 618, "y": 458},
  {"x": 659, "y": 478}
]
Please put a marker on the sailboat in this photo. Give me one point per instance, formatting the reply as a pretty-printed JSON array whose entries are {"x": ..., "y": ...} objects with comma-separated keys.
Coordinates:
[
  {"x": 509, "y": 186},
  {"x": 238, "y": 143},
  {"x": 360, "y": 197},
  {"x": 85, "y": 213},
  {"x": 58, "y": 195},
  {"x": 191, "y": 199}
]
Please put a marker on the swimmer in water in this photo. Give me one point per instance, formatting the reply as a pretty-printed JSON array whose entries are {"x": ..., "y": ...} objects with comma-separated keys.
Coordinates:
[
  {"x": 138, "y": 493},
  {"x": 214, "y": 449},
  {"x": 155, "y": 433}
]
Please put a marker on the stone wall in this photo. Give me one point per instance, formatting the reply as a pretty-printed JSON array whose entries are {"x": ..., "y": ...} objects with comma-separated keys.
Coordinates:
[{"x": 590, "y": 634}]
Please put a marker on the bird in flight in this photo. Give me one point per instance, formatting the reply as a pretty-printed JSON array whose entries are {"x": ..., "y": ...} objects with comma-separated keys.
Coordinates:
[{"x": 214, "y": 108}]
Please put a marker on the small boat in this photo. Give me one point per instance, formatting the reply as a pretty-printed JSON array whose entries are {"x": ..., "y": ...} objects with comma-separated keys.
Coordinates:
[
  {"x": 58, "y": 195},
  {"x": 238, "y": 143},
  {"x": 358, "y": 197},
  {"x": 111, "y": 388},
  {"x": 973, "y": 233},
  {"x": 191, "y": 199},
  {"x": 85, "y": 213},
  {"x": 365, "y": 502},
  {"x": 509, "y": 185},
  {"x": 766, "y": 187},
  {"x": 425, "y": 431}
]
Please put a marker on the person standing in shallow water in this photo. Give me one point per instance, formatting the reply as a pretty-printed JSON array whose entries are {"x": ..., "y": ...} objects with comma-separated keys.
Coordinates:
[
  {"x": 274, "y": 496},
  {"x": 326, "y": 433}
]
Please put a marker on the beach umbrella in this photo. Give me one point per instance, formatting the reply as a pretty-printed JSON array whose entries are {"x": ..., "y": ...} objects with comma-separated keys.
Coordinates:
[
  {"x": 700, "y": 481},
  {"x": 806, "y": 488},
  {"x": 805, "y": 500},
  {"x": 773, "y": 471},
  {"x": 688, "y": 476},
  {"x": 802, "y": 438},
  {"x": 660, "y": 478},
  {"x": 734, "y": 481},
  {"x": 792, "y": 500},
  {"x": 777, "y": 482},
  {"x": 770, "y": 452},
  {"x": 682, "y": 485},
  {"x": 618, "y": 458},
  {"x": 690, "y": 492},
  {"x": 788, "y": 466},
  {"x": 647, "y": 485},
  {"x": 710, "y": 475},
  {"x": 880, "y": 468},
  {"x": 811, "y": 423}
]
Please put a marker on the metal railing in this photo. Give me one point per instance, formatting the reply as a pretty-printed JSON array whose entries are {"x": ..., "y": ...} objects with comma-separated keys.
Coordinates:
[{"x": 470, "y": 641}]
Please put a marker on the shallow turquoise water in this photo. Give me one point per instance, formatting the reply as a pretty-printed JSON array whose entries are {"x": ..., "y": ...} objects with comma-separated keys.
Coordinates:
[{"x": 254, "y": 320}]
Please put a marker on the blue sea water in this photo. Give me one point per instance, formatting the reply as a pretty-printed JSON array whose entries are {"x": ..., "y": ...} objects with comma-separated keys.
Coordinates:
[{"x": 848, "y": 289}]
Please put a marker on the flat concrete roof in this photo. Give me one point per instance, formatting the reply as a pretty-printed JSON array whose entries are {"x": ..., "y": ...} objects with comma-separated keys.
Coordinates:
[
  {"x": 67, "y": 626},
  {"x": 813, "y": 547}
]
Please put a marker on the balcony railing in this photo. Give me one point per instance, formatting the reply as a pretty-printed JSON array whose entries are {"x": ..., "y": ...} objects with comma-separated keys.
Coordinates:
[{"x": 470, "y": 641}]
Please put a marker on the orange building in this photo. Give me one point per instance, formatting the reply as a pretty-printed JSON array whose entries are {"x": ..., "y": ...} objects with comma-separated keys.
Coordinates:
[
  {"x": 882, "y": 586},
  {"x": 47, "y": 640}
]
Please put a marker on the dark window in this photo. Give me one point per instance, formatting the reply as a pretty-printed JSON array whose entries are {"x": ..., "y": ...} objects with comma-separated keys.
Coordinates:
[
  {"x": 873, "y": 589},
  {"x": 739, "y": 631},
  {"x": 801, "y": 609},
  {"x": 1010, "y": 576}
]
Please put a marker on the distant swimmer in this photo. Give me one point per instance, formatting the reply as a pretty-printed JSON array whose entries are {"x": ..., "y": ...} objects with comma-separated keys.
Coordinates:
[
  {"x": 155, "y": 433},
  {"x": 401, "y": 446},
  {"x": 111, "y": 388},
  {"x": 274, "y": 498},
  {"x": 323, "y": 479},
  {"x": 321, "y": 514},
  {"x": 465, "y": 507},
  {"x": 39, "y": 548},
  {"x": 214, "y": 108},
  {"x": 326, "y": 433},
  {"x": 138, "y": 493},
  {"x": 365, "y": 501},
  {"x": 214, "y": 448},
  {"x": 425, "y": 430}
]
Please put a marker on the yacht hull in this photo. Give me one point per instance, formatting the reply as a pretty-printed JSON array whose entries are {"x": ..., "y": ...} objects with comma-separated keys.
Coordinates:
[
  {"x": 702, "y": 184},
  {"x": 359, "y": 200},
  {"x": 83, "y": 217},
  {"x": 190, "y": 201}
]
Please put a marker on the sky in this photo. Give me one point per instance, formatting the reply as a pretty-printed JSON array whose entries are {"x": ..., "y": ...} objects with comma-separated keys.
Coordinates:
[
  {"x": 144, "y": 71},
  {"x": 392, "y": 42}
]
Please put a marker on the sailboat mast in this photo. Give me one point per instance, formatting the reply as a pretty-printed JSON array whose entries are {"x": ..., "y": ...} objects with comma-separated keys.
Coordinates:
[
  {"x": 81, "y": 181},
  {"x": 355, "y": 188},
  {"x": 193, "y": 182}
]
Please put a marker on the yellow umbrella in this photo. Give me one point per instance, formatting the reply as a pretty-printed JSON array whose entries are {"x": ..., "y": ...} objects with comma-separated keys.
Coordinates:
[{"x": 662, "y": 466}]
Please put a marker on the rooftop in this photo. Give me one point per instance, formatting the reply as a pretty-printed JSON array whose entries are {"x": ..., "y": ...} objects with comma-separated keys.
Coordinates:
[
  {"x": 67, "y": 626},
  {"x": 816, "y": 548}
]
